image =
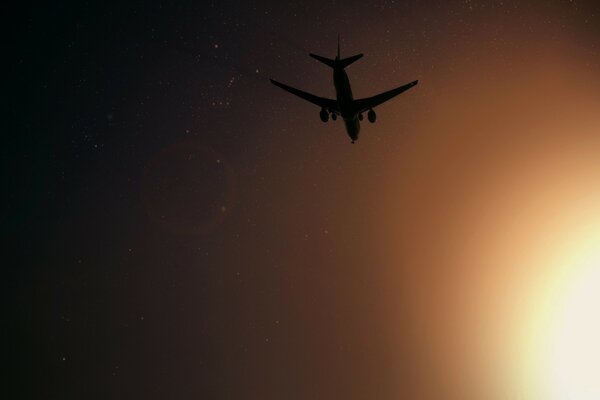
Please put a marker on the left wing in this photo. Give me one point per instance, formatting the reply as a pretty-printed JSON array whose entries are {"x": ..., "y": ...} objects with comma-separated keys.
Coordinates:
[
  {"x": 320, "y": 101},
  {"x": 365, "y": 104}
]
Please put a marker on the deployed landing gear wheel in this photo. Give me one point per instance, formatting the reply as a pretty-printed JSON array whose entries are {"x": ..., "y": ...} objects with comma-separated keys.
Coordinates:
[
  {"x": 371, "y": 116},
  {"x": 324, "y": 115}
]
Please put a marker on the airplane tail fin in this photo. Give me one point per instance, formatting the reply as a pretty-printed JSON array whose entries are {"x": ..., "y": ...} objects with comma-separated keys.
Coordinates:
[{"x": 337, "y": 63}]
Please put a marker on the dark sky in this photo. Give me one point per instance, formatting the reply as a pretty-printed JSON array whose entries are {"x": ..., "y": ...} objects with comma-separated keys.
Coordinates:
[{"x": 176, "y": 227}]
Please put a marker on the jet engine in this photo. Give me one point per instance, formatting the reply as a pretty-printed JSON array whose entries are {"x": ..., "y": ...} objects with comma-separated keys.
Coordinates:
[
  {"x": 324, "y": 115},
  {"x": 371, "y": 116}
]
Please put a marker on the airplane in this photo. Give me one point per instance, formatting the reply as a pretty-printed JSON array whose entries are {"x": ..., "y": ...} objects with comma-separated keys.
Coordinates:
[{"x": 345, "y": 105}]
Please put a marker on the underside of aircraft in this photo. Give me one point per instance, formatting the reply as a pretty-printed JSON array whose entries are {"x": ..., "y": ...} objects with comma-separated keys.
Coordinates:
[{"x": 351, "y": 110}]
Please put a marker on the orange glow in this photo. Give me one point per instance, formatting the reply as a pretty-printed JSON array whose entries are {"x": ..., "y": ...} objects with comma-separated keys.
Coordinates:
[{"x": 493, "y": 232}]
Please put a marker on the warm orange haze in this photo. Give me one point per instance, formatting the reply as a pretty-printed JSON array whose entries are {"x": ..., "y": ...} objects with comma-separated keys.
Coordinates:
[
  {"x": 177, "y": 227},
  {"x": 481, "y": 206},
  {"x": 495, "y": 228}
]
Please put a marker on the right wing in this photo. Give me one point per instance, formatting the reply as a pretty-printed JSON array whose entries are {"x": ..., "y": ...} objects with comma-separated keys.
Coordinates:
[
  {"x": 365, "y": 104},
  {"x": 320, "y": 101}
]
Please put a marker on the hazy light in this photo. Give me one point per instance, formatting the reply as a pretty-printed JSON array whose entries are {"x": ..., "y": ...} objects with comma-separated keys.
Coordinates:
[
  {"x": 574, "y": 345},
  {"x": 560, "y": 356}
]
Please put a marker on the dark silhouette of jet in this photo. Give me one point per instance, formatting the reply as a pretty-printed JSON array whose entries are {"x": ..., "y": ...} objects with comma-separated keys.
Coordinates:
[{"x": 345, "y": 105}]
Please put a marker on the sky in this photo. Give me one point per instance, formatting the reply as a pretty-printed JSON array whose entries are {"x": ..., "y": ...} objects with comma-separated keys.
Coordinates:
[{"x": 177, "y": 227}]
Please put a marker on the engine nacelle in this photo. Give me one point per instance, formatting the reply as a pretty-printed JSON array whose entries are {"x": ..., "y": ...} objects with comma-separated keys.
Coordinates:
[
  {"x": 324, "y": 115},
  {"x": 371, "y": 116}
]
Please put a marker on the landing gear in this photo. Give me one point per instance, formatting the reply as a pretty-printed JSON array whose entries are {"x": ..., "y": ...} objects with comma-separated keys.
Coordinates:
[
  {"x": 324, "y": 115},
  {"x": 360, "y": 117},
  {"x": 333, "y": 116},
  {"x": 371, "y": 116}
]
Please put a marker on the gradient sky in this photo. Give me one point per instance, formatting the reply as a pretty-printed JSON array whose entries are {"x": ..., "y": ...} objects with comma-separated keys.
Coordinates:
[{"x": 176, "y": 227}]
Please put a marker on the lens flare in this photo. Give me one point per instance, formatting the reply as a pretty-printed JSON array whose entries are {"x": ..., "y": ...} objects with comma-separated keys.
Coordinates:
[
  {"x": 561, "y": 355},
  {"x": 574, "y": 345}
]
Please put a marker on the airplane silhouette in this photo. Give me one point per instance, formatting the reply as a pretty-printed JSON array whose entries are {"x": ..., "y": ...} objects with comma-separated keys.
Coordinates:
[{"x": 345, "y": 105}]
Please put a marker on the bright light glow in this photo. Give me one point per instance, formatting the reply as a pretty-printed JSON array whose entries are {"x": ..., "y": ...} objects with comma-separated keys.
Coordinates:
[
  {"x": 559, "y": 346},
  {"x": 573, "y": 369}
]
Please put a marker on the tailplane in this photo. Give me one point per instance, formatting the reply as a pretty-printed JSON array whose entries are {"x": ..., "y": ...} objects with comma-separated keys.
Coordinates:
[
  {"x": 324, "y": 60},
  {"x": 349, "y": 60},
  {"x": 338, "y": 62}
]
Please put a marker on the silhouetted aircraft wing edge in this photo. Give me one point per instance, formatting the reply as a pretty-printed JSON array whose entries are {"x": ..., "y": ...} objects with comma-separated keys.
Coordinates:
[
  {"x": 370, "y": 102},
  {"x": 320, "y": 101}
]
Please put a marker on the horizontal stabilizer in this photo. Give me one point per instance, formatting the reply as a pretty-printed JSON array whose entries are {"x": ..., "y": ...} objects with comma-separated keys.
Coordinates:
[
  {"x": 347, "y": 61},
  {"x": 324, "y": 60},
  {"x": 337, "y": 63}
]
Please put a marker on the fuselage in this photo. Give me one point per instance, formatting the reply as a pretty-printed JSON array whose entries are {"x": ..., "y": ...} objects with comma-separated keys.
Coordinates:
[
  {"x": 345, "y": 102},
  {"x": 344, "y": 105}
]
